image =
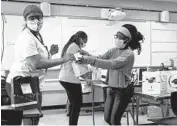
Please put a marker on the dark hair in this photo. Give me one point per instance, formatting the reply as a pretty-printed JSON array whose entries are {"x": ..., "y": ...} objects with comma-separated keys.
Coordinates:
[
  {"x": 136, "y": 37},
  {"x": 74, "y": 39}
]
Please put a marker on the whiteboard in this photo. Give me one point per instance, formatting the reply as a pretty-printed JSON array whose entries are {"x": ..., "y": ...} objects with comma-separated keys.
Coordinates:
[
  {"x": 51, "y": 32},
  {"x": 58, "y": 30},
  {"x": 12, "y": 28},
  {"x": 101, "y": 36}
]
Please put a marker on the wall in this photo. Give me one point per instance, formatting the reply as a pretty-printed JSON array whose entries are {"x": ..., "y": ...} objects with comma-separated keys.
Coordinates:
[
  {"x": 163, "y": 43},
  {"x": 160, "y": 38},
  {"x": 149, "y": 10},
  {"x": 57, "y": 30},
  {"x": 160, "y": 44}
]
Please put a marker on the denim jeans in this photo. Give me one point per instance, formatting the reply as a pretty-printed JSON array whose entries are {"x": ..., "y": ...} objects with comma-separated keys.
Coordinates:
[
  {"x": 74, "y": 92},
  {"x": 116, "y": 104}
]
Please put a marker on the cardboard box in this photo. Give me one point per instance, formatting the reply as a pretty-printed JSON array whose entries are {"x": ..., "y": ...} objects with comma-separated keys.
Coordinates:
[
  {"x": 156, "y": 112},
  {"x": 172, "y": 81},
  {"x": 154, "y": 82}
]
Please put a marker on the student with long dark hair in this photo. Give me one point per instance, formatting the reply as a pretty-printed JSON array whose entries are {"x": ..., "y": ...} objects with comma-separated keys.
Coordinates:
[
  {"x": 68, "y": 79},
  {"x": 119, "y": 61}
]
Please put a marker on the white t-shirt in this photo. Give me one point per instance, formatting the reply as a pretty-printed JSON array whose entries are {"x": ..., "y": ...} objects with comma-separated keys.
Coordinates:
[
  {"x": 66, "y": 73},
  {"x": 27, "y": 45}
]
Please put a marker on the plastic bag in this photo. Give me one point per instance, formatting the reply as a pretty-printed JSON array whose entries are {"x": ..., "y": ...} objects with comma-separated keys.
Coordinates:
[{"x": 80, "y": 69}]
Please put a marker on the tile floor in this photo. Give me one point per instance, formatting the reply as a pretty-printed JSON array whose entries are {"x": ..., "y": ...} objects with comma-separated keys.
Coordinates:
[{"x": 58, "y": 117}]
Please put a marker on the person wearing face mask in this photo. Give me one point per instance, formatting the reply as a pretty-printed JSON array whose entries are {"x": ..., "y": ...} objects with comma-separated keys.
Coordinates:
[
  {"x": 31, "y": 55},
  {"x": 119, "y": 62},
  {"x": 68, "y": 79}
]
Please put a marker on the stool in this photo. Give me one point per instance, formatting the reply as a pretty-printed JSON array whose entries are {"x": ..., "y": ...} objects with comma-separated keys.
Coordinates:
[{"x": 11, "y": 117}]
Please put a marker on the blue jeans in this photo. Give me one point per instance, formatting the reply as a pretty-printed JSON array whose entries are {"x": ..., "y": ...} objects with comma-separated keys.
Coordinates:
[{"x": 116, "y": 103}]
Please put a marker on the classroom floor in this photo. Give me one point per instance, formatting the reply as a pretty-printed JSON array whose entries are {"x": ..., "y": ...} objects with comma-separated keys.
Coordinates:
[{"x": 58, "y": 117}]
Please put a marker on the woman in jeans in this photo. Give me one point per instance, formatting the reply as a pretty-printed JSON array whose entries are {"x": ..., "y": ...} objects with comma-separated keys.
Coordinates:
[
  {"x": 68, "y": 79},
  {"x": 119, "y": 61}
]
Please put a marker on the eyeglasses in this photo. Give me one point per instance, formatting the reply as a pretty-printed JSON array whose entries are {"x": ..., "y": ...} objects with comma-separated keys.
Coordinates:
[
  {"x": 117, "y": 36},
  {"x": 32, "y": 18}
]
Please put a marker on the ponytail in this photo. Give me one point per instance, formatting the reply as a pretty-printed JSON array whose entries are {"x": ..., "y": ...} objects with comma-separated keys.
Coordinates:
[{"x": 134, "y": 43}]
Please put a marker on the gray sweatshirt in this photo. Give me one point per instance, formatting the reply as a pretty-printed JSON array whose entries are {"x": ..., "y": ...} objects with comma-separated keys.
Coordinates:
[{"x": 120, "y": 64}]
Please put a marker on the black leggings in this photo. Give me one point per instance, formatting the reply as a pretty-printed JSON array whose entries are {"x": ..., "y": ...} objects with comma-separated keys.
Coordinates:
[
  {"x": 116, "y": 104},
  {"x": 74, "y": 92}
]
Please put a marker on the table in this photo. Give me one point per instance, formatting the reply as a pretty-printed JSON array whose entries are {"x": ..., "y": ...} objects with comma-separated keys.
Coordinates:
[
  {"x": 100, "y": 84},
  {"x": 157, "y": 100},
  {"x": 30, "y": 113}
]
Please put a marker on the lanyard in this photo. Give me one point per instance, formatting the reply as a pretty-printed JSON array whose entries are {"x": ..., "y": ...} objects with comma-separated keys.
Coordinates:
[{"x": 41, "y": 40}]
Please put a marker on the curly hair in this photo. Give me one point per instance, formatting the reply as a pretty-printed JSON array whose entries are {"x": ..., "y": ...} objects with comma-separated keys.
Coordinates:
[{"x": 136, "y": 38}]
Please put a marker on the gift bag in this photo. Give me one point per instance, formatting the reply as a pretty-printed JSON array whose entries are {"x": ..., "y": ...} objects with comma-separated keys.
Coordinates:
[{"x": 24, "y": 92}]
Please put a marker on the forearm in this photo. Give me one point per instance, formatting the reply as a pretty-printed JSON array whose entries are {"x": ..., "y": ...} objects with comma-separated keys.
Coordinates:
[
  {"x": 106, "y": 55},
  {"x": 47, "y": 63},
  {"x": 108, "y": 64}
]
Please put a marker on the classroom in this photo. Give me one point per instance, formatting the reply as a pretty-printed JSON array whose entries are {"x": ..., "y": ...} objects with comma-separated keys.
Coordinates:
[{"x": 89, "y": 62}]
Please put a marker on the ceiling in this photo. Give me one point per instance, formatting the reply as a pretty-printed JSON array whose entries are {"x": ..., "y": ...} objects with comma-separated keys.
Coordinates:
[
  {"x": 154, "y": 5},
  {"x": 166, "y": 0}
]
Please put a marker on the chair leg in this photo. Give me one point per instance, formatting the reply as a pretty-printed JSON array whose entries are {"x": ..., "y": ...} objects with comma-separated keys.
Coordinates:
[
  {"x": 127, "y": 118},
  {"x": 67, "y": 107}
]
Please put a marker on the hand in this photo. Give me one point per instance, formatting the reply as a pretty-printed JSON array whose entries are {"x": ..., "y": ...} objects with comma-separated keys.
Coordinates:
[
  {"x": 86, "y": 60},
  {"x": 68, "y": 57},
  {"x": 83, "y": 52},
  {"x": 54, "y": 49}
]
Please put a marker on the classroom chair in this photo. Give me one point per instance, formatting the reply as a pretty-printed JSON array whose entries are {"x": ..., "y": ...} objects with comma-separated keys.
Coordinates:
[
  {"x": 11, "y": 117},
  {"x": 173, "y": 101}
]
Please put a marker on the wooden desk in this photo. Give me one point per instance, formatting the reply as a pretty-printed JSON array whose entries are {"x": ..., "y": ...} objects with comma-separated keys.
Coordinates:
[
  {"x": 30, "y": 113},
  {"x": 157, "y": 100}
]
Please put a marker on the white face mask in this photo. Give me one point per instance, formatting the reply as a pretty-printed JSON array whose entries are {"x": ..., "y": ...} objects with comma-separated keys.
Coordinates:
[
  {"x": 34, "y": 25},
  {"x": 83, "y": 45},
  {"x": 120, "y": 43}
]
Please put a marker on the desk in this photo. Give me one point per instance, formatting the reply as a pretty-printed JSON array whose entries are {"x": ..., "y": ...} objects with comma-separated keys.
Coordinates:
[
  {"x": 97, "y": 83},
  {"x": 158, "y": 100},
  {"x": 30, "y": 113}
]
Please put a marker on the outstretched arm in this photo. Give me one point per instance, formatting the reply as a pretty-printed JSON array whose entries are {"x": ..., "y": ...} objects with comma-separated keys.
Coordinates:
[{"x": 37, "y": 62}]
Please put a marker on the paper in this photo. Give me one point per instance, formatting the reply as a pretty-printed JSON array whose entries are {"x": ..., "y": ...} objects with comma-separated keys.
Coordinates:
[
  {"x": 77, "y": 56},
  {"x": 86, "y": 88},
  {"x": 79, "y": 69},
  {"x": 26, "y": 88}
]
